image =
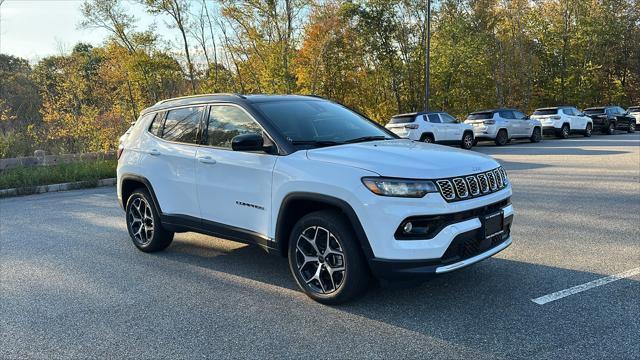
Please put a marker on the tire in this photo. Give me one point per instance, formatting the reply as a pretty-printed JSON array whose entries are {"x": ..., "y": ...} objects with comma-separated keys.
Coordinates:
[
  {"x": 428, "y": 138},
  {"x": 536, "y": 136},
  {"x": 632, "y": 127},
  {"x": 143, "y": 223},
  {"x": 324, "y": 240},
  {"x": 565, "y": 131},
  {"x": 467, "y": 141},
  {"x": 502, "y": 137},
  {"x": 611, "y": 129},
  {"x": 588, "y": 130}
]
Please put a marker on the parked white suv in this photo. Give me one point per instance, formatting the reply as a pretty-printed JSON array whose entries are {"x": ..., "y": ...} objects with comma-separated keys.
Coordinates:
[
  {"x": 562, "y": 121},
  {"x": 432, "y": 127},
  {"x": 502, "y": 125},
  {"x": 338, "y": 194},
  {"x": 635, "y": 112}
]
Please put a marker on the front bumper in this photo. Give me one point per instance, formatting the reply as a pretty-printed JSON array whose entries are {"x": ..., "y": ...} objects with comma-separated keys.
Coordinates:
[{"x": 465, "y": 245}]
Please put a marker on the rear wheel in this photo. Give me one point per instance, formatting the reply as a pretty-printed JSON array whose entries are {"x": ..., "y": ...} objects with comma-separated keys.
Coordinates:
[
  {"x": 428, "y": 138},
  {"x": 325, "y": 259},
  {"x": 467, "y": 141},
  {"x": 564, "y": 132},
  {"x": 632, "y": 127},
  {"x": 588, "y": 131},
  {"x": 536, "y": 136},
  {"x": 143, "y": 223},
  {"x": 611, "y": 129},
  {"x": 502, "y": 137}
]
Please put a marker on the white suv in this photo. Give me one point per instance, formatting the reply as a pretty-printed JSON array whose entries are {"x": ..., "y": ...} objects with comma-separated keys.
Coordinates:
[
  {"x": 502, "y": 125},
  {"x": 432, "y": 127},
  {"x": 562, "y": 121},
  {"x": 336, "y": 193}
]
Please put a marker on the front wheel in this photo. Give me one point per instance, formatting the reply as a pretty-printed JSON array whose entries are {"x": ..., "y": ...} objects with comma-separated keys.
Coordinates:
[
  {"x": 536, "y": 136},
  {"x": 325, "y": 259},
  {"x": 467, "y": 141},
  {"x": 143, "y": 223},
  {"x": 632, "y": 127},
  {"x": 502, "y": 138},
  {"x": 588, "y": 131}
]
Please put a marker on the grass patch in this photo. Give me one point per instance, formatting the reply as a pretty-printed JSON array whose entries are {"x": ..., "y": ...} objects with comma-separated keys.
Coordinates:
[{"x": 27, "y": 177}]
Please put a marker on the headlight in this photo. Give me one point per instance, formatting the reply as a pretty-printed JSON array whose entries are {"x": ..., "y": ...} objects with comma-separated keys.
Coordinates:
[{"x": 399, "y": 187}]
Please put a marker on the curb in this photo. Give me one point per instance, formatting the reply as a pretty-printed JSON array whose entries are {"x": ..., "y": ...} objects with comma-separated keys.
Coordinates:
[{"x": 56, "y": 187}]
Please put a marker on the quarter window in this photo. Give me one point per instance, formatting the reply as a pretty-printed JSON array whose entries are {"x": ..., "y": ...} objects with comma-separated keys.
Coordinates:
[
  {"x": 181, "y": 125},
  {"x": 156, "y": 126},
  {"x": 225, "y": 122}
]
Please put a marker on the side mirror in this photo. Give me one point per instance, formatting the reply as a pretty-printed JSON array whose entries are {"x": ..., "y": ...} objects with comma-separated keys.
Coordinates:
[{"x": 247, "y": 142}]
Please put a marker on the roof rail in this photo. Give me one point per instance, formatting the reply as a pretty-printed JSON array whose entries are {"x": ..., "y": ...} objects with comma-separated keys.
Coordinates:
[{"x": 199, "y": 95}]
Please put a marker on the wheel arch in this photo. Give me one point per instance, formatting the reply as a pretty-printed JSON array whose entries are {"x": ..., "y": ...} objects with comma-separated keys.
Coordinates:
[
  {"x": 296, "y": 205},
  {"x": 130, "y": 182}
]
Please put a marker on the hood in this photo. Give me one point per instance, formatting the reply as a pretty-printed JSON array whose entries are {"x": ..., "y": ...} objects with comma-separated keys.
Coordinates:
[{"x": 406, "y": 159}]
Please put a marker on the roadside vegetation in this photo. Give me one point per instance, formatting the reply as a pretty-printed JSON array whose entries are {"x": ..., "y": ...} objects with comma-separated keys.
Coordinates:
[
  {"x": 368, "y": 55},
  {"x": 28, "y": 177}
]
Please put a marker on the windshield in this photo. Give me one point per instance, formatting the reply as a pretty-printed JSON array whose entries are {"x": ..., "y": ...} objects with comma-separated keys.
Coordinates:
[
  {"x": 546, "y": 112},
  {"x": 480, "y": 116},
  {"x": 634, "y": 109},
  {"x": 320, "y": 123},
  {"x": 594, "y": 111},
  {"x": 402, "y": 119}
]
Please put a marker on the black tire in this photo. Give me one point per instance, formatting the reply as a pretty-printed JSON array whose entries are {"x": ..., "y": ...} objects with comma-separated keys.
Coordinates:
[
  {"x": 428, "y": 138},
  {"x": 141, "y": 214},
  {"x": 611, "y": 129},
  {"x": 536, "y": 136},
  {"x": 632, "y": 127},
  {"x": 467, "y": 141},
  {"x": 565, "y": 131},
  {"x": 588, "y": 130},
  {"x": 475, "y": 141},
  {"x": 502, "y": 137},
  {"x": 345, "y": 285}
]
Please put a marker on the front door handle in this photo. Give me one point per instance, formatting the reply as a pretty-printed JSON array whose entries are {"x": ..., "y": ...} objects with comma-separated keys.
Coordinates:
[{"x": 206, "y": 160}]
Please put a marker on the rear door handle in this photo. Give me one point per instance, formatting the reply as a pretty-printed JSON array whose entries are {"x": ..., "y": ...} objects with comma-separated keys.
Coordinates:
[{"x": 206, "y": 160}]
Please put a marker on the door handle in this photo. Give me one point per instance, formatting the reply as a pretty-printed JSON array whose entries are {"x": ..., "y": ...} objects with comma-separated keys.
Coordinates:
[
  {"x": 154, "y": 152},
  {"x": 206, "y": 160}
]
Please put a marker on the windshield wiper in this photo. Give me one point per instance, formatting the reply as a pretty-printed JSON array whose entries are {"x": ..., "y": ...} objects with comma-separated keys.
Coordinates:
[
  {"x": 367, "y": 138},
  {"x": 317, "y": 143}
]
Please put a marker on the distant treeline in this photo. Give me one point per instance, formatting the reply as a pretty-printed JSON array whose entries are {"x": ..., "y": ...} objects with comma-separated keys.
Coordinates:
[{"x": 366, "y": 54}]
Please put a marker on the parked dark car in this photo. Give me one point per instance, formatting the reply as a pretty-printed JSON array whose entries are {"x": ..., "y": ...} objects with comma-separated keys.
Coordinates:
[{"x": 608, "y": 119}]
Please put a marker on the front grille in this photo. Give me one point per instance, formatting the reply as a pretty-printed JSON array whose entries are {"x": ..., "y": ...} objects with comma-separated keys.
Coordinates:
[{"x": 475, "y": 185}]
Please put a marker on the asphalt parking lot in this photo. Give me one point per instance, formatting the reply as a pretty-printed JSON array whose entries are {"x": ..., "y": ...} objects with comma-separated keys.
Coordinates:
[{"x": 73, "y": 285}]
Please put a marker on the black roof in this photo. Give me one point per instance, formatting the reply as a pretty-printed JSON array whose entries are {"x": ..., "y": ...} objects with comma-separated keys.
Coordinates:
[
  {"x": 494, "y": 110},
  {"x": 555, "y": 107},
  {"x": 419, "y": 113},
  {"x": 231, "y": 98}
]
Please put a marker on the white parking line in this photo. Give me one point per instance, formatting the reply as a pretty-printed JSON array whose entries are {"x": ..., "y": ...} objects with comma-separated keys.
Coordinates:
[{"x": 583, "y": 287}]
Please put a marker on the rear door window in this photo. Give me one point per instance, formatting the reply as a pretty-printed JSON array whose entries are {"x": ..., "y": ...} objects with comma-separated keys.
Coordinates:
[
  {"x": 507, "y": 114},
  {"x": 181, "y": 125},
  {"x": 434, "y": 118}
]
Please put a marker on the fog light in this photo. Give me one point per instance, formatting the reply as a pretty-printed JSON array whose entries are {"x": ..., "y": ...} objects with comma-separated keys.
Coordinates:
[{"x": 408, "y": 227}]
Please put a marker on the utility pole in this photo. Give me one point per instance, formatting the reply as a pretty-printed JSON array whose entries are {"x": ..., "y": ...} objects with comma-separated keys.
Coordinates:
[{"x": 427, "y": 53}]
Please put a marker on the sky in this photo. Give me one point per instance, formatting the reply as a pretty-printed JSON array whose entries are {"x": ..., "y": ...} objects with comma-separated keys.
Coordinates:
[{"x": 33, "y": 29}]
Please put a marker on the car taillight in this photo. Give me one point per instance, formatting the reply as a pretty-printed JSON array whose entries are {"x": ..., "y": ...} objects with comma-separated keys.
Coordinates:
[
  {"x": 411, "y": 126},
  {"x": 489, "y": 122},
  {"x": 119, "y": 152},
  {"x": 556, "y": 117}
]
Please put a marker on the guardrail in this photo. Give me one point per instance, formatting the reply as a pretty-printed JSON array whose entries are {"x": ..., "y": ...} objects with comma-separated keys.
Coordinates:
[{"x": 40, "y": 159}]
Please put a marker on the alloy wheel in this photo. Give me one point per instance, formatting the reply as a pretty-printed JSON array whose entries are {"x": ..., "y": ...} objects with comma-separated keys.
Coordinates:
[
  {"x": 140, "y": 220},
  {"x": 468, "y": 141},
  {"x": 588, "y": 130},
  {"x": 565, "y": 131},
  {"x": 320, "y": 260}
]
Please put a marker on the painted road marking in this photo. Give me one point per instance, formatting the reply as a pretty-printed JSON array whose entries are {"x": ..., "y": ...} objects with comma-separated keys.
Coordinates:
[{"x": 583, "y": 287}]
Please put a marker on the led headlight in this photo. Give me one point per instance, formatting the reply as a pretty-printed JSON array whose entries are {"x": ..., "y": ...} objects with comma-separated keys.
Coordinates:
[{"x": 399, "y": 187}]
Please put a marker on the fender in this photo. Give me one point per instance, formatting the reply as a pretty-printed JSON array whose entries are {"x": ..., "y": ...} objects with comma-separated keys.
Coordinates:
[
  {"x": 146, "y": 183},
  {"x": 361, "y": 236}
]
